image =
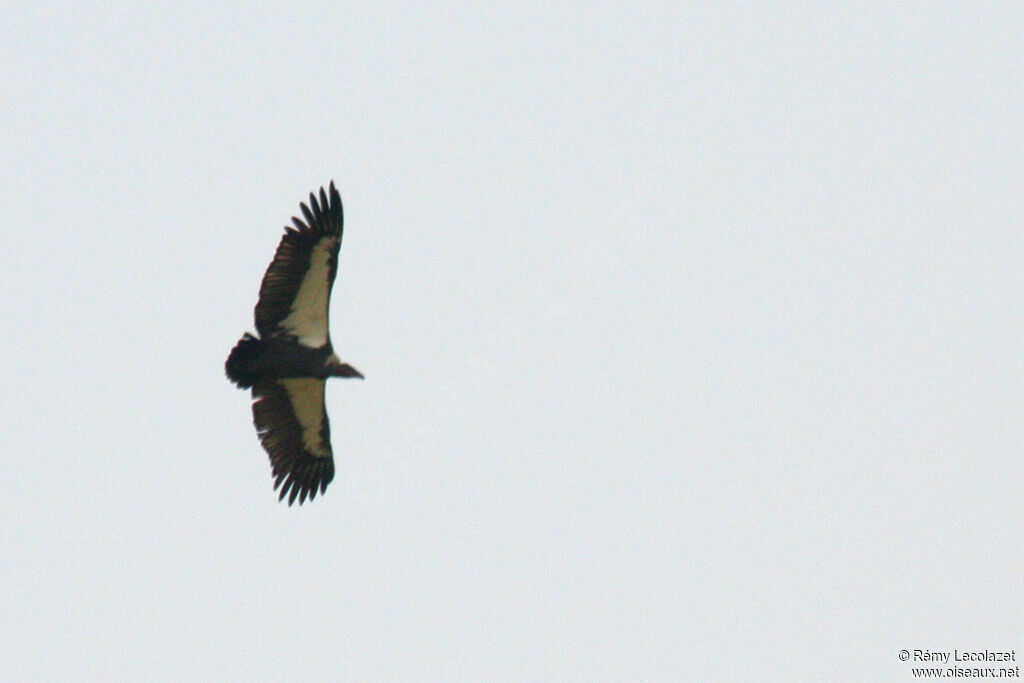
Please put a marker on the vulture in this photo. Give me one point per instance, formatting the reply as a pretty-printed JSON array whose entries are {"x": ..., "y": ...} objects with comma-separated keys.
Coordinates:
[{"x": 288, "y": 361}]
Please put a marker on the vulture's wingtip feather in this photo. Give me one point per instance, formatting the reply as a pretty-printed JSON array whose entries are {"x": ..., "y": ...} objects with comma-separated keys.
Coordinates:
[{"x": 311, "y": 216}]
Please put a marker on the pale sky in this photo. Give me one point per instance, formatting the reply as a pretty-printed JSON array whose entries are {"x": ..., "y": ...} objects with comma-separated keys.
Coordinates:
[{"x": 692, "y": 337}]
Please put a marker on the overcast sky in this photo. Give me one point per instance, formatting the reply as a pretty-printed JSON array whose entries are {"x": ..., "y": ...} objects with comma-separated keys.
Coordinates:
[{"x": 692, "y": 337}]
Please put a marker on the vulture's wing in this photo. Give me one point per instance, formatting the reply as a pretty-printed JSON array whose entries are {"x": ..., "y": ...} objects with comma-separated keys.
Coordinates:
[
  {"x": 291, "y": 421},
  {"x": 296, "y": 289}
]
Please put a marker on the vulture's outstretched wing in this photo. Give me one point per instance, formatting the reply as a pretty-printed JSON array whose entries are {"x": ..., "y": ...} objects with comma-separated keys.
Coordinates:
[
  {"x": 291, "y": 421},
  {"x": 296, "y": 289}
]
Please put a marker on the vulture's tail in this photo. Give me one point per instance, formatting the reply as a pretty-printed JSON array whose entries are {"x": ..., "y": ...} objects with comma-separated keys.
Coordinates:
[{"x": 241, "y": 364}]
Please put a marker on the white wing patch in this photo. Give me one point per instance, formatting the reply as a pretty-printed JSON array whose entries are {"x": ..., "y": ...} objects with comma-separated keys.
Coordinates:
[
  {"x": 307, "y": 319},
  {"x": 307, "y": 399}
]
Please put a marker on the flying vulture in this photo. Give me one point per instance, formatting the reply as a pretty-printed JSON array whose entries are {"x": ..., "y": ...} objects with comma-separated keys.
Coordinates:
[{"x": 288, "y": 364}]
